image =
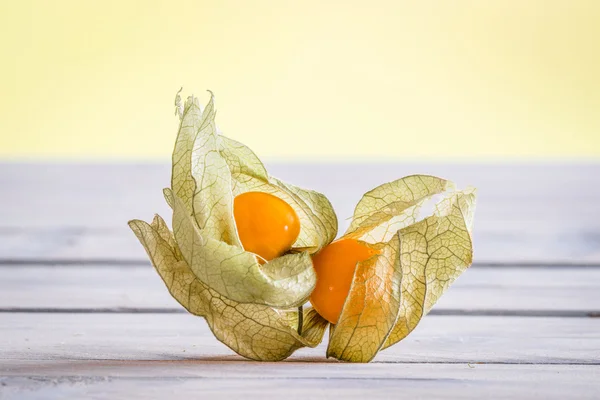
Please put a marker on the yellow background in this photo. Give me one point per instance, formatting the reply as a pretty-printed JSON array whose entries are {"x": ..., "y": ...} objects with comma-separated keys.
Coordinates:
[{"x": 329, "y": 80}]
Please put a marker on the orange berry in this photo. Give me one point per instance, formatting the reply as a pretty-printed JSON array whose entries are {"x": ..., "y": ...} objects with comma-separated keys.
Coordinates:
[
  {"x": 267, "y": 225},
  {"x": 335, "y": 265}
]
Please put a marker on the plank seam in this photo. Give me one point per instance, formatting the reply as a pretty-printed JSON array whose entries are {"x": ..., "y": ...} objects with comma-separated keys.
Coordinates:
[
  {"x": 434, "y": 312},
  {"x": 71, "y": 262}
]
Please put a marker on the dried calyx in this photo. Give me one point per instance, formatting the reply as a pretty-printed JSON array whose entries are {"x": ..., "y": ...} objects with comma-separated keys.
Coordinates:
[{"x": 243, "y": 245}]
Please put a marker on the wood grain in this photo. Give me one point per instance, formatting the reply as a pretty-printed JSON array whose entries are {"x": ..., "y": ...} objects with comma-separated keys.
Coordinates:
[
  {"x": 243, "y": 380},
  {"x": 525, "y": 213},
  {"x": 83, "y": 315},
  {"x": 438, "y": 339},
  {"x": 494, "y": 245},
  {"x": 478, "y": 289}
]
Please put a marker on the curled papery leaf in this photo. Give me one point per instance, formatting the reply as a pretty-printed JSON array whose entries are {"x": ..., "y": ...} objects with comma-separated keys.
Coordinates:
[
  {"x": 255, "y": 309},
  {"x": 371, "y": 308},
  {"x": 433, "y": 253},
  {"x": 318, "y": 221},
  {"x": 419, "y": 259},
  {"x": 201, "y": 177},
  {"x": 241, "y": 160},
  {"x": 254, "y": 331},
  {"x": 320, "y": 212},
  {"x": 192, "y": 121},
  {"x": 384, "y": 210},
  {"x": 210, "y": 169},
  {"x": 284, "y": 282}
]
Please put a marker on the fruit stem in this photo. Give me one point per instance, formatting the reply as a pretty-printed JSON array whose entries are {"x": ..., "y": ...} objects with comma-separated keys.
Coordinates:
[{"x": 300, "y": 319}]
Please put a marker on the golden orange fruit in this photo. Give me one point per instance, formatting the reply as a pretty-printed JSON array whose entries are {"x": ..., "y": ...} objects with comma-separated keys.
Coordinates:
[
  {"x": 267, "y": 225},
  {"x": 334, "y": 266}
]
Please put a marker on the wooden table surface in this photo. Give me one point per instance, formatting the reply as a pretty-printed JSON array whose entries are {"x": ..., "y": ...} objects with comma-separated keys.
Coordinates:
[{"x": 83, "y": 314}]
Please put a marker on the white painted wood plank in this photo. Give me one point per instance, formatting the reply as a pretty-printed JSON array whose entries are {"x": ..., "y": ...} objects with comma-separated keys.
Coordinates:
[
  {"x": 438, "y": 339},
  {"x": 81, "y": 244},
  {"x": 518, "y": 288},
  {"x": 525, "y": 212},
  {"x": 245, "y": 380}
]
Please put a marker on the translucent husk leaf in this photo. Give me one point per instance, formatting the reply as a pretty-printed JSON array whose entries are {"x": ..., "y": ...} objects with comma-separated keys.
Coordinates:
[
  {"x": 391, "y": 292},
  {"x": 209, "y": 170},
  {"x": 284, "y": 282},
  {"x": 192, "y": 119},
  {"x": 371, "y": 309},
  {"x": 241, "y": 160},
  {"x": 201, "y": 177},
  {"x": 320, "y": 210},
  {"x": 254, "y": 331},
  {"x": 434, "y": 252},
  {"x": 252, "y": 308},
  {"x": 318, "y": 221},
  {"x": 384, "y": 210}
]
